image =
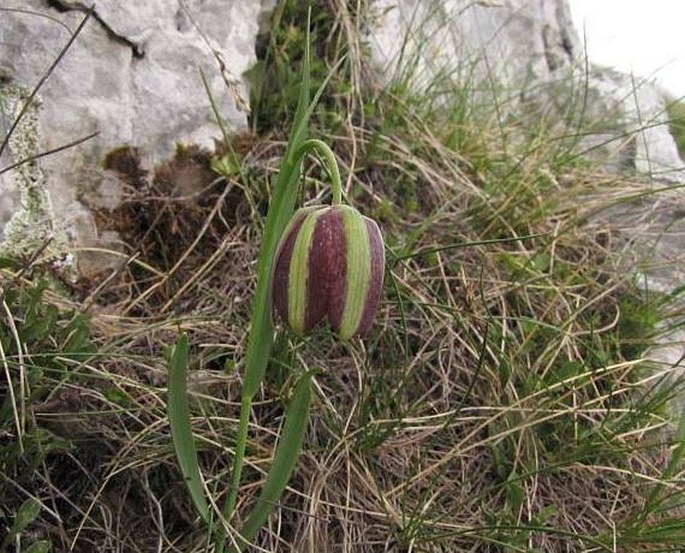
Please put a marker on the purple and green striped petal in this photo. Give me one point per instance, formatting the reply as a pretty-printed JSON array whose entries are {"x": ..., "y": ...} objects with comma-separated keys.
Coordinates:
[
  {"x": 281, "y": 272},
  {"x": 345, "y": 316},
  {"x": 330, "y": 262},
  {"x": 373, "y": 295}
]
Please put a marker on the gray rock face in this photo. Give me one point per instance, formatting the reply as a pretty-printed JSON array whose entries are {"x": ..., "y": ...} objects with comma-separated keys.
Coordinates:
[
  {"x": 526, "y": 51},
  {"x": 504, "y": 41},
  {"x": 631, "y": 124},
  {"x": 132, "y": 75}
]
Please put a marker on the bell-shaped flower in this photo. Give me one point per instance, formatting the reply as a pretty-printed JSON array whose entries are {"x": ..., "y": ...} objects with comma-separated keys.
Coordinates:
[{"x": 329, "y": 264}]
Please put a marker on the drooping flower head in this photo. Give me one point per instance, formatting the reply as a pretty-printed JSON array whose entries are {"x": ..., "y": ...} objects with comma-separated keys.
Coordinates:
[{"x": 329, "y": 265}]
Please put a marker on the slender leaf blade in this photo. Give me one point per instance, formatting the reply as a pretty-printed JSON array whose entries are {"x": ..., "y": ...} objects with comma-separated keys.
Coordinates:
[
  {"x": 27, "y": 513},
  {"x": 41, "y": 546},
  {"x": 285, "y": 458},
  {"x": 261, "y": 336},
  {"x": 181, "y": 430}
]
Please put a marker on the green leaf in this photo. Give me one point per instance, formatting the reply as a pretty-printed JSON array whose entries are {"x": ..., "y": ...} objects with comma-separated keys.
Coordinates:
[
  {"x": 287, "y": 452},
  {"x": 261, "y": 337},
  {"x": 6, "y": 262},
  {"x": 281, "y": 209},
  {"x": 675, "y": 463},
  {"x": 41, "y": 546},
  {"x": 181, "y": 430},
  {"x": 28, "y": 512}
]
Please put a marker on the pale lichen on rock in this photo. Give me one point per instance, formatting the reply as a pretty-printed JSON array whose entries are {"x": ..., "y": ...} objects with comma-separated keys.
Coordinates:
[{"x": 32, "y": 227}]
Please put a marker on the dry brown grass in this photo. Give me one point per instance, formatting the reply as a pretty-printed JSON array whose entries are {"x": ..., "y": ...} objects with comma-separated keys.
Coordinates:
[
  {"x": 494, "y": 403},
  {"x": 502, "y": 402}
]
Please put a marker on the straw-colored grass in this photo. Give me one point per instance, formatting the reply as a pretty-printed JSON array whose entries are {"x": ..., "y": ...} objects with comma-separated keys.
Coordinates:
[{"x": 501, "y": 403}]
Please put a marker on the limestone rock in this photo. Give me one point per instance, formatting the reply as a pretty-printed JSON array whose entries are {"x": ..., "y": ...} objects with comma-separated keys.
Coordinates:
[
  {"x": 132, "y": 75},
  {"x": 27, "y": 204},
  {"x": 630, "y": 124},
  {"x": 514, "y": 53},
  {"x": 504, "y": 41}
]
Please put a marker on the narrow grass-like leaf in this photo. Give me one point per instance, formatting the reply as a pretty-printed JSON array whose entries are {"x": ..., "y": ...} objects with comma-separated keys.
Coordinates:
[
  {"x": 675, "y": 463},
  {"x": 427, "y": 251},
  {"x": 6, "y": 262},
  {"x": 45, "y": 76},
  {"x": 285, "y": 458},
  {"x": 261, "y": 336},
  {"x": 181, "y": 431},
  {"x": 49, "y": 152}
]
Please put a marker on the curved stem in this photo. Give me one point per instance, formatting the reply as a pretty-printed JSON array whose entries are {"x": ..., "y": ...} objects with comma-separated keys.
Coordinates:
[{"x": 330, "y": 162}]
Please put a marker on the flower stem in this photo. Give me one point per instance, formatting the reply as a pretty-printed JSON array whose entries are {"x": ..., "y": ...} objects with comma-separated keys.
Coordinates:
[
  {"x": 241, "y": 441},
  {"x": 330, "y": 162}
]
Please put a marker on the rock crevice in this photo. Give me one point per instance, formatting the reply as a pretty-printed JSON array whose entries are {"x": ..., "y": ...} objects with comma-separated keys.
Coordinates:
[{"x": 63, "y": 6}]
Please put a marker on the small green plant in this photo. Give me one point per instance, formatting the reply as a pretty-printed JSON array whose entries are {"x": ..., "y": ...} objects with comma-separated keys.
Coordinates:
[
  {"x": 40, "y": 346},
  {"x": 275, "y": 78},
  {"x": 27, "y": 513},
  {"x": 287, "y": 261}
]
